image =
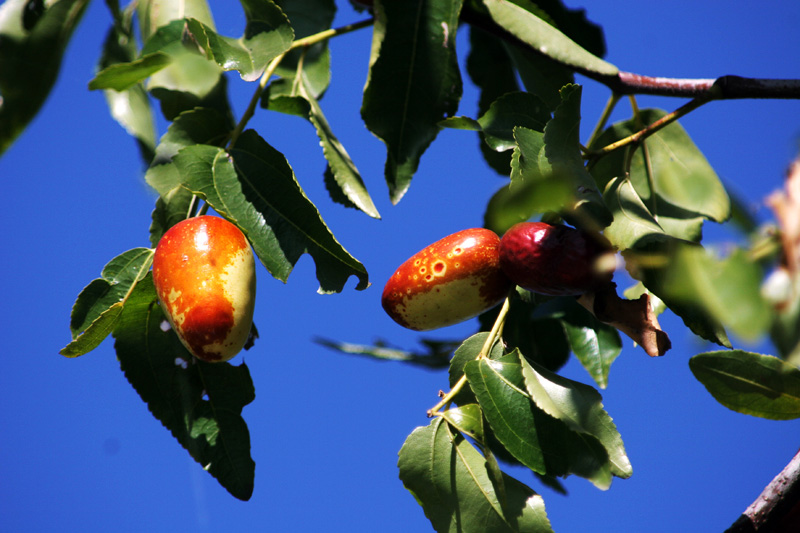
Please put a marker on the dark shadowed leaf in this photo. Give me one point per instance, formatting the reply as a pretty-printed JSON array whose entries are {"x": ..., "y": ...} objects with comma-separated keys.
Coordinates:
[
  {"x": 99, "y": 304},
  {"x": 414, "y": 82},
  {"x": 508, "y": 112},
  {"x": 545, "y": 38},
  {"x": 30, "y": 59},
  {"x": 254, "y": 186},
  {"x": 457, "y": 490},
  {"x": 750, "y": 383},
  {"x": 199, "y": 403}
]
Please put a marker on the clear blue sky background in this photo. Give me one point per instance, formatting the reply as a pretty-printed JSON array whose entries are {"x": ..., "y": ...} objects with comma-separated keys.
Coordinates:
[{"x": 79, "y": 450}]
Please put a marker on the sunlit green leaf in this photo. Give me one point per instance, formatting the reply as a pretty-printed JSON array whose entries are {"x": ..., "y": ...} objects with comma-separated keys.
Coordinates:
[
  {"x": 468, "y": 351},
  {"x": 414, "y": 82},
  {"x": 30, "y": 60},
  {"x": 750, "y": 383},
  {"x": 199, "y": 403},
  {"x": 632, "y": 222},
  {"x": 117, "y": 279},
  {"x": 467, "y": 419},
  {"x": 254, "y": 186},
  {"x": 580, "y": 407},
  {"x": 539, "y": 441},
  {"x": 452, "y": 482},
  {"x": 545, "y": 38},
  {"x": 121, "y": 76},
  {"x": 95, "y": 333},
  {"x": 684, "y": 185},
  {"x": 153, "y": 14}
]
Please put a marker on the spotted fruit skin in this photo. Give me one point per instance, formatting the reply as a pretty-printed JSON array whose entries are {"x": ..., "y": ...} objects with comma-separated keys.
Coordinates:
[
  {"x": 449, "y": 281},
  {"x": 552, "y": 259},
  {"x": 204, "y": 274}
]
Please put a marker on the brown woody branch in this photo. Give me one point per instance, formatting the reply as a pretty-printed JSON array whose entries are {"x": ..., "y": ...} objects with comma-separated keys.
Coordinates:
[{"x": 777, "y": 509}]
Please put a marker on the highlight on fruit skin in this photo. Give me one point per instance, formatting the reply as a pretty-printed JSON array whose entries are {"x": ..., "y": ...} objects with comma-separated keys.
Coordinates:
[
  {"x": 555, "y": 260},
  {"x": 449, "y": 281},
  {"x": 204, "y": 274}
]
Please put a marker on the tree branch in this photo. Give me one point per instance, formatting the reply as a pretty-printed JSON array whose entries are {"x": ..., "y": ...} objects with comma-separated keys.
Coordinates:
[
  {"x": 627, "y": 83},
  {"x": 777, "y": 509}
]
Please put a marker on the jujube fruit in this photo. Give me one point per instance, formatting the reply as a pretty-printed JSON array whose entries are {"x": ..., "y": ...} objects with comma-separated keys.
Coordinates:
[
  {"x": 204, "y": 274},
  {"x": 449, "y": 281},
  {"x": 553, "y": 259}
]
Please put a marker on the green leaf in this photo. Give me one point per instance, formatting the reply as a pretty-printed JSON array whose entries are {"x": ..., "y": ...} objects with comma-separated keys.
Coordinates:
[
  {"x": 457, "y": 490},
  {"x": 540, "y": 442},
  {"x": 266, "y": 36},
  {"x": 153, "y": 14},
  {"x": 580, "y": 407},
  {"x": 466, "y": 352},
  {"x": 467, "y": 419},
  {"x": 729, "y": 289},
  {"x": 346, "y": 177},
  {"x": 253, "y": 187},
  {"x": 170, "y": 209},
  {"x": 508, "y": 112},
  {"x": 652, "y": 265},
  {"x": 684, "y": 186},
  {"x": 199, "y": 403},
  {"x": 308, "y": 17},
  {"x": 633, "y": 222},
  {"x": 437, "y": 356},
  {"x": 121, "y": 76},
  {"x": 413, "y": 83},
  {"x": 94, "y": 312},
  {"x": 750, "y": 383},
  {"x": 545, "y": 38},
  {"x": 562, "y": 149},
  {"x": 31, "y": 59}
]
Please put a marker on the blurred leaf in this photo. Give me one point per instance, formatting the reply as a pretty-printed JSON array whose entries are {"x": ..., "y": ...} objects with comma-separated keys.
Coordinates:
[
  {"x": 562, "y": 149},
  {"x": 413, "y": 83},
  {"x": 252, "y": 187},
  {"x": 199, "y": 403},
  {"x": 267, "y": 34},
  {"x": 129, "y": 107},
  {"x": 545, "y": 38},
  {"x": 98, "y": 305},
  {"x": 154, "y": 14},
  {"x": 686, "y": 187},
  {"x": 122, "y": 76},
  {"x": 437, "y": 356},
  {"x": 308, "y": 17},
  {"x": 728, "y": 289},
  {"x": 574, "y": 24},
  {"x": 580, "y": 407},
  {"x": 539, "y": 441},
  {"x": 30, "y": 58},
  {"x": 750, "y": 383},
  {"x": 453, "y": 484},
  {"x": 652, "y": 266}
]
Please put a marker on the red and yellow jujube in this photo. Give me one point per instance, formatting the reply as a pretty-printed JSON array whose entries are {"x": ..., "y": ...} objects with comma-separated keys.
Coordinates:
[{"x": 204, "y": 274}]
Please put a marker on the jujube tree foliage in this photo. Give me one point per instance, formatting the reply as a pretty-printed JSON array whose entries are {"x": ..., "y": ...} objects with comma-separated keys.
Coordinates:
[{"x": 636, "y": 192}]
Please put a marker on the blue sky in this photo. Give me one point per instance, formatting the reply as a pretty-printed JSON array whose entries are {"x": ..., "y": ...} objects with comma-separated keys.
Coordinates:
[{"x": 81, "y": 452}]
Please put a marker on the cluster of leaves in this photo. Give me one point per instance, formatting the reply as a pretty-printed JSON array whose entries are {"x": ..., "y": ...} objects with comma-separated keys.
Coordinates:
[{"x": 650, "y": 198}]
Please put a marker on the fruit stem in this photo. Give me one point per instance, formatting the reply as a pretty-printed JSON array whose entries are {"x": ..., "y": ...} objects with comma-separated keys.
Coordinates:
[{"x": 494, "y": 335}]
